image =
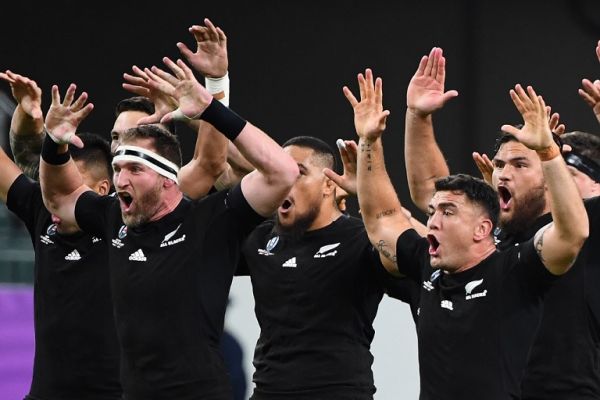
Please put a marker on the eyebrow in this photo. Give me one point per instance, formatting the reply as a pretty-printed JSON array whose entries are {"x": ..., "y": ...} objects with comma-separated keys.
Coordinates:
[
  {"x": 520, "y": 158},
  {"x": 445, "y": 204}
]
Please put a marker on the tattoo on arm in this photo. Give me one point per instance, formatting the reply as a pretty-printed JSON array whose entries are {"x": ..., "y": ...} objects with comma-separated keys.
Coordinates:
[
  {"x": 366, "y": 147},
  {"x": 539, "y": 242},
  {"x": 26, "y": 152},
  {"x": 385, "y": 213},
  {"x": 383, "y": 249}
]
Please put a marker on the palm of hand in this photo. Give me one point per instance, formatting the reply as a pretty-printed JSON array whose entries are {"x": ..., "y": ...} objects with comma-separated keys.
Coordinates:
[
  {"x": 425, "y": 94},
  {"x": 60, "y": 120},
  {"x": 191, "y": 101},
  {"x": 367, "y": 121}
]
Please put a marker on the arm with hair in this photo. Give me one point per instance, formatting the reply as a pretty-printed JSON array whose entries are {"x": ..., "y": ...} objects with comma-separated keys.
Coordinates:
[
  {"x": 60, "y": 179},
  {"x": 27, "y": 124},
  {"x": 379, "y": 204},
  {"x": 559, "y": 242},
  {"x": 266, "y": 187},
  {"x": 425, "y": 162}
]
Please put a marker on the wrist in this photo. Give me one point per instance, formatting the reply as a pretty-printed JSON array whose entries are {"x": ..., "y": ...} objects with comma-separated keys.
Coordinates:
[
  {"x": 219, "y": 88},
  {"x": 418, "y": 114},
  {"x": 548, "y": 153},
  {"x": 223, "y": 119},
  {"x": 54, "y": 153}
]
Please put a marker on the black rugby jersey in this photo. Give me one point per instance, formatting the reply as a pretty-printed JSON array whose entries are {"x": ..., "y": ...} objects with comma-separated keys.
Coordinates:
[
  {"x": 76, "y": 348},
  {"x": 170, "y": 280},
  {"x": 316, "y": 299},
  {"x": 475, "y": 327},
  {"x": 565, "y": 358}
]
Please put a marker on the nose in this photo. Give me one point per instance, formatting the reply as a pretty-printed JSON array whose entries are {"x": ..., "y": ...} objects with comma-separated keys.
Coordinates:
[
  {"x": 120, "y": 179},
  {"x": 504, "y": 173},
  {"x": 433, "y": 222}
]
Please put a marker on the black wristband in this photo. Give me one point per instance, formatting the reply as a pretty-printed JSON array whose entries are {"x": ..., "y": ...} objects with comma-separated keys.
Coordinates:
[
  {"x": 50, "y": 155},
  {"x": 223, "y": 119}
]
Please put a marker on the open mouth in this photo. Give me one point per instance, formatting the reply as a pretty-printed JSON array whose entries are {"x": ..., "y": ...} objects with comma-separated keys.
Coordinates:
[
  {"x": 505, "y": 197},
  {"x": 126, "y": 199},
  {"x": 286, "y": 205},
  {"x": 434, "y": 244}
]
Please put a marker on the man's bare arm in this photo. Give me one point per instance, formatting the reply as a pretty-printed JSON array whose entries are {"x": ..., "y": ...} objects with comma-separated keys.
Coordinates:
[
  {"x": 559, "y": 243},
  {"x": 27, "y": 124},
  {"x": 425, "y": 162}
]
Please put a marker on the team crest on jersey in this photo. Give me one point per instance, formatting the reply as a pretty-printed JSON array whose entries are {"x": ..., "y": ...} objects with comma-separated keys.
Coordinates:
[
  {"x": 327, "y": 251},
  {"x": 471, "y": 286},
  {"x": 51, "y": 230},
  {"x": 122, "y": 232}
]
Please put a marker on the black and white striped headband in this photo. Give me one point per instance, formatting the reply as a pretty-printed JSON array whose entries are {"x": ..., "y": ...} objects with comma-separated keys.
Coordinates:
[{"x": 149, "y": 158}]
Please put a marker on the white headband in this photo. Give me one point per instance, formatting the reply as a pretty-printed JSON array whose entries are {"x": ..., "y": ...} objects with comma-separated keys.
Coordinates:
[{"x": 149, "y": 158}]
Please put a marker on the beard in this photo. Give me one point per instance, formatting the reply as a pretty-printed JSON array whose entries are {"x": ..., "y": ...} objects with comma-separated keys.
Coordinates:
[
  {"x": 146, "y": 207},
  {"x": 294, "y": 231},
  {"x": 529, "y": 208}
]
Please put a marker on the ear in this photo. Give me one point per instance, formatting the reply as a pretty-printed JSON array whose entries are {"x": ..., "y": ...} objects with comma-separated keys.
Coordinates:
[
  {"x": 483, "y": 230},
  {"x": 168, "y": 183},
  {"x": 328, "y": 187},
  {"x": 103, "y": 187}
]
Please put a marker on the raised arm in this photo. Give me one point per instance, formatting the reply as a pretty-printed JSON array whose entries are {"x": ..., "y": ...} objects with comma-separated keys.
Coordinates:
[
  {"x": 424, "y": 160},
  {"x": 266, "y": 187},
  {"x": 27, "y": 124},
  {"x": 60, "y": 179},
  {"x": 559, "y": 242},
  {"x": 590, "y": 91},
  {"x": 380, "y": 207}
]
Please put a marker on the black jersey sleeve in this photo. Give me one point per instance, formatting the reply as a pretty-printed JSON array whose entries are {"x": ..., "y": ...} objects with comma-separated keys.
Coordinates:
[
  {"x": 525, "y": 264},
  {"x": 246, "y": 218},
  {"x": 91, "y": 212},
  {"x": 411, "y": 254},
  {"x": 592, "y": 207},
  {"x": 24, "y": 198}
]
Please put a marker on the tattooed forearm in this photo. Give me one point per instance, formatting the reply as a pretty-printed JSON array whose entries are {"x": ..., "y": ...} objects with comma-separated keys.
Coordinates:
[
  {"x": 385, "y": 213},
  {"x": 383, "y": 249},
  {"x": 366, "y": 148},
  {"x": 26, "y": 152}
]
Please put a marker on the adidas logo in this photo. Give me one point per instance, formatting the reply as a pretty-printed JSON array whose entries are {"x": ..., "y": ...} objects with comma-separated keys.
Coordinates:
[
  {"x": 291, "y": 263},
  {"x": 73, "y": 256},
  {"x": 137, "y": 256}
]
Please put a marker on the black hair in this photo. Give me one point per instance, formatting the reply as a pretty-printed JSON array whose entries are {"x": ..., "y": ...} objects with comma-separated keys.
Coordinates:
[
  {"x": 137, "y": 103},
  {"x": 165, "y": 143},
  {"x": 476, "y": 190},
  {"x": 321, "y": 149},
  {"x": 95, "y": 153},
  {"x": 584, "y": 143}
]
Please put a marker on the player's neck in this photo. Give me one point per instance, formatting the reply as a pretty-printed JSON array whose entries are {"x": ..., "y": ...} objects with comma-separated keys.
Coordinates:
[{"x": 326, "y": 217}]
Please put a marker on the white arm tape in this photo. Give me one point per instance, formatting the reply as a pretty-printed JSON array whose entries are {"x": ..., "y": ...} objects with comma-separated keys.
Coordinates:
[{"x": 218, "y": 85}]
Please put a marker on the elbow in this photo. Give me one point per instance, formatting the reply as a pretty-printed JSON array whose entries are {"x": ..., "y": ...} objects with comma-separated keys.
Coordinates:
[{"x": 285, "y": 176}]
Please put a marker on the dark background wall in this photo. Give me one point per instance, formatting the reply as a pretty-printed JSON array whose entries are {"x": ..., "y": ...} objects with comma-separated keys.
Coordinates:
[{"x": 289, "y": 60}]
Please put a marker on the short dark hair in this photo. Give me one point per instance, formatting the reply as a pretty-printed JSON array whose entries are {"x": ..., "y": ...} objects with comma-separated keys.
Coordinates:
[
  {"x": 137, "y": 103},
  {"x": 584, "y": 143},
  {"x": 165, "y": 143},
  {"x": 95, "y": 153},
  {"x": 321, "y": 149},
  {"x": 476, "y": 190}
]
